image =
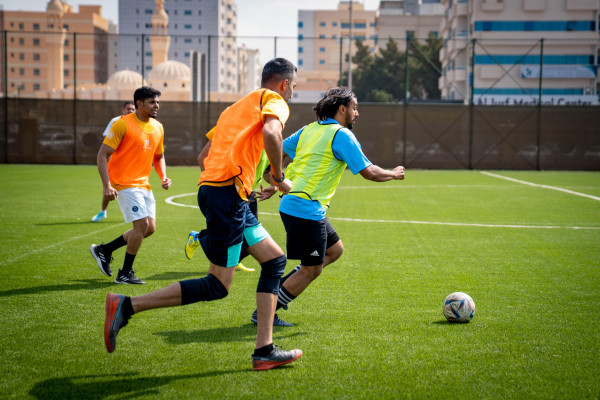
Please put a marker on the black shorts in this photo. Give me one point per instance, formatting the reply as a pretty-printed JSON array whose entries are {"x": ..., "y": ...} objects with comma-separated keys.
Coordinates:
[
  {"x": 307, "y": 240},
  {"x": 230, "y": 226}
]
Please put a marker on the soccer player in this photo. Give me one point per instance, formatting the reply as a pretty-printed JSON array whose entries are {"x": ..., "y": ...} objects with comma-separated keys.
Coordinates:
[
  {"x": 262, "y": 168},
  {"x": 320, "y": 153},
  {"x": 127, "y": 108},
  {"x": 242, "y": 131},
  {"x": 133, "y": 145}
]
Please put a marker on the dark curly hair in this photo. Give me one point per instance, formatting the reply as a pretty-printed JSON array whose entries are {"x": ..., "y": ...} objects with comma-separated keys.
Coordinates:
[
  {"x": 143, "y": 93},
  {"x": 328, "y": 106}
]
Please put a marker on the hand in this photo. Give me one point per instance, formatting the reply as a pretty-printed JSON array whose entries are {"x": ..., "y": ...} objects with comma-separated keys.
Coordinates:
[
  {"x": 285, "y": 186},
  {"x": 110, "y": 193},
  {"x": 165, "y": 183},
  {"x": 399, "y": 171},
  {"x": 265, "y": 193}
]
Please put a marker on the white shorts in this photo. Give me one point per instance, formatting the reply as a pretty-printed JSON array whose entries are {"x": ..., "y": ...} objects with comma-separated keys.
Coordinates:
[{"x": 137, "y": 203}]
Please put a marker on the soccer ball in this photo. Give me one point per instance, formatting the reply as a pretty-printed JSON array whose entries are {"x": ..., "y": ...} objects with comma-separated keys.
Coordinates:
[{"x": 459, "y": 307}]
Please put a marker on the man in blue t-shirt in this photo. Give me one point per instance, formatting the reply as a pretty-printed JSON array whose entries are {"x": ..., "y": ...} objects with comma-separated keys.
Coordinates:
[{"x": 320, "y": 153}]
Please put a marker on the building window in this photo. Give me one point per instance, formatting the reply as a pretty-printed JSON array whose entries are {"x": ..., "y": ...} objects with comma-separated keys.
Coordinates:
[
  {"x": 360, "y": 25},
  {"x": 21, "y": 71},
  {"x": 149, "y": 26},
  {"x": 36, "y": 41},
  {"x": 322, "y": 49},
  {"x": 300, "y": 49},
  {"x": 186, "y": 54},
  {"x": 300, "y": 37},
  {"x": 321, "y": 36},
  {"x": 322, "y": 62},
  {"x": 300, "y": 24},
  {"x": 66, "y": 72},
  {"x": 36, "y": 86},
  {"x": 148, "y": 54},
  {"x": 187, "y": 12},
  {"x": 21, "y": 56},
  {"x": 148, "y": 11},
  {"x": 36, "y": 27},
  {"x": 21, "y": 25},
  {"x": 66, "y": 42},
  {"x": 21, "y": 41},
  {"x": 187, "y": 26},
  {"x": 334, "y": 24},
  {"x": 300, "y": 62},
  {"x": 187, "y": 40},
  {"x": 36, "y": 72},
  {"x": 323, "y": 24},
  {"x": 66, "y": 27},
  {"x": 36, "y": 57}
]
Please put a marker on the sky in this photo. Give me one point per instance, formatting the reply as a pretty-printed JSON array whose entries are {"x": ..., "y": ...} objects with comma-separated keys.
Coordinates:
[{"x": 256, "y": 18}]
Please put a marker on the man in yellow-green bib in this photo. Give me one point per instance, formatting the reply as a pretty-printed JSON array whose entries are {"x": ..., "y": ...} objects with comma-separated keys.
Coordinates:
[{"x": 320, "y": 153}]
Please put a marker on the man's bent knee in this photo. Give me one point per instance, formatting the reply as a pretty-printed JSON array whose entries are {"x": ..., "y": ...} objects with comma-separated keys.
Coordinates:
[
  {"x": 204, "y": 289},
  {"x": 270, "y": 275}
]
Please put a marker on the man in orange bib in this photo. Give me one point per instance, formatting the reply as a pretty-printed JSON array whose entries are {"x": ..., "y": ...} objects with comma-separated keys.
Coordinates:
[
  {"x": 135, "y": 142},
  {"x": 243, "y": 130}
]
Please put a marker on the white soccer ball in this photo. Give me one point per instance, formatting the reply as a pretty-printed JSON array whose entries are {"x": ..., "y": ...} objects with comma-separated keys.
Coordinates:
[{"x": 459, "y": 307}]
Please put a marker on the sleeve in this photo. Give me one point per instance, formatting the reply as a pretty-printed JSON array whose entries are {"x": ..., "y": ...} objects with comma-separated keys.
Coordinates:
[
  {"x": 211, "y": 133},
  {"x": 291, "y": 143},
  {"x": 274, "y": 105},
  {"x": 116, "y": 134},
  {"x": 346, "y": 148},
  {"x": 110, "y": 124},
  {"x": 160, "y": 148}
]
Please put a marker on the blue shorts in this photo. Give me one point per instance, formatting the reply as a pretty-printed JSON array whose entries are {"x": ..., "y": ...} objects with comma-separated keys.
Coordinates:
[{"x": 230, "y": 225}]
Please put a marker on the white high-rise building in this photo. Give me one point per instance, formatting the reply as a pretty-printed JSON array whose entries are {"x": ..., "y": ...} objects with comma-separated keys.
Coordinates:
[
  {"x": 495, "y": 51},
  {"x": 208, "y": 27}
]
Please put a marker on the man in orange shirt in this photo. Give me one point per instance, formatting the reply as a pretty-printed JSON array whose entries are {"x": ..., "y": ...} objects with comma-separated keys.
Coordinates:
[
  {"x": 243, "y": 130},
  {"x": 134, "y": 143}
]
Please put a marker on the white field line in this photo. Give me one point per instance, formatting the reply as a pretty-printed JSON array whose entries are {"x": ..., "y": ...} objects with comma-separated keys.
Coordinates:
[
  {"x": 53, "y": 245},
  {"x": 541, "y": 186},
  {"x": 170, "y": 201}
]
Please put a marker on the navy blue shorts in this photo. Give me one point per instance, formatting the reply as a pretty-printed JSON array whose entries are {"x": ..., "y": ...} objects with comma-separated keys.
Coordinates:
[
  {"x": 307, "y": 240},
  {"x": 230, "y": 225}
]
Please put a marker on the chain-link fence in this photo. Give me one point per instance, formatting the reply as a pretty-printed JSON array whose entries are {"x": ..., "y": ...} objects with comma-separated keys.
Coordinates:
[{"x": 427, "y": 103}]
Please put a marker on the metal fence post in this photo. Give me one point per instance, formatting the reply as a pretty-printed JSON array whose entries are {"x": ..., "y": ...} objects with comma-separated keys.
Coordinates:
[
  {"x": 74, "y": 97},
  {"x": 406, "y": 69},
  {"x": 539, "y": 116},
  {"x": 5, "y": 96},
  {"x": 471, "y": 79},
  {"x": 143, "y": 65}
]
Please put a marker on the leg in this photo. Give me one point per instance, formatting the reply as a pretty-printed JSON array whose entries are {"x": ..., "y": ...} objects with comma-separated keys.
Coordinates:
[
  {"x": 264, "y": 251},
  {"x": 141, "y": 228},
  {"x": 104, "y": 203}
]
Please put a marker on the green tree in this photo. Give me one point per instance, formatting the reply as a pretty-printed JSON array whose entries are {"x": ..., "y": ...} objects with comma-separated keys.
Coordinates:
[{"x": 381, "y": 77}]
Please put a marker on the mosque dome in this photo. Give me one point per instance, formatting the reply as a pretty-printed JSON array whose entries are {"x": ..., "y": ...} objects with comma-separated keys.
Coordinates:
[
  {"x": 126, "y": 78},
  {"x": 170, "y": 70},
  {"x": 55, "y": 7}
]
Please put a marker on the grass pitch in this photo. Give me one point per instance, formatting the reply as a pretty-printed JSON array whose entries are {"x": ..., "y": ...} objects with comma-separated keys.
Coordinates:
[{"x": 370, "y": 327}]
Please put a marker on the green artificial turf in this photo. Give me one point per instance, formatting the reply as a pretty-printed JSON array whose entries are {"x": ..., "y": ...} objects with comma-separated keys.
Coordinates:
[{"x": 371, "y": 326}]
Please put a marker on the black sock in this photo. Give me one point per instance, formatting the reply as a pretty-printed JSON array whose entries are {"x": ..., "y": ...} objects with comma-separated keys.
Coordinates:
[
  {"x": 128, "y": 263},
  {"x": 263, "y": 351},
  {"x": 283, "y": 298},
  {"x": 114, "y": 245},
  {"x": 292, "y": 272},
  {"x": 127, "y": 308}
]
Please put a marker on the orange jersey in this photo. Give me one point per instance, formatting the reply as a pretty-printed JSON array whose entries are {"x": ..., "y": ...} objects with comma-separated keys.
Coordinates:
[
  {"x": 237, "y": 140},
  {"x": 135, "y": 143}
]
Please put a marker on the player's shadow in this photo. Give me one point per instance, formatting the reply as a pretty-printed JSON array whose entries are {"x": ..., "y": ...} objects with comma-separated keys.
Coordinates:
[
  {"x": 242, "y": 333},
  {"x": 78, "y": 223},
  {"x": 124, "y": 385},
  {"x": 175, "y": 276},
  {"x": 83, "y": 284}
]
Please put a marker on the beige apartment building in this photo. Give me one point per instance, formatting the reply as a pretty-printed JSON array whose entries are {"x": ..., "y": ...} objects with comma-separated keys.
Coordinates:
[
  {"x": 41, "y": 48},
  {"x": 323, "y": 45},
  {"x": 395, "y": 20},
  {"x": 505, "y": 46}
]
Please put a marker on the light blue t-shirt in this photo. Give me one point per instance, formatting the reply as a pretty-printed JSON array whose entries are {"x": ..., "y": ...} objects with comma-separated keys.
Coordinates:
[{"x": 345, "y": 147}]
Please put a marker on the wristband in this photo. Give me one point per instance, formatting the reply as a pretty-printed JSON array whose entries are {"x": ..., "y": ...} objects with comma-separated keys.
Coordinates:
[{"x": 279, "y": 180}]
